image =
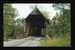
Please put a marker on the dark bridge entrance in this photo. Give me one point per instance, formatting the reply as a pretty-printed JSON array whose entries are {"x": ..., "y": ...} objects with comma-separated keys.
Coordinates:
[{"x": 36, "y": 31}]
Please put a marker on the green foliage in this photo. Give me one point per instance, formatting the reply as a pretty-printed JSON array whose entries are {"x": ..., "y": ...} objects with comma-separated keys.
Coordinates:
[
  {"x": 8, "y": 20},
  {"x": 60, "y": 25}
]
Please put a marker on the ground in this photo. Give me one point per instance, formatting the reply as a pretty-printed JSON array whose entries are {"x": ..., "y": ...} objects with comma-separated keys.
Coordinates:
[
  {"x": 29, "y": 41},
  {"x": 39, "y": 42}
]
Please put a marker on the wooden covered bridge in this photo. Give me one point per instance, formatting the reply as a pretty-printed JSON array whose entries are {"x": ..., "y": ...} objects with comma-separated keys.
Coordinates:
[{"x": 35, "y": 23}]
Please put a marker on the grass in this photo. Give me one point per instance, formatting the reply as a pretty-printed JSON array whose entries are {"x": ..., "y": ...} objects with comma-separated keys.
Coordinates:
[
  {"x": 7, "y": 38},
  {"x": 57, "y": 42}
]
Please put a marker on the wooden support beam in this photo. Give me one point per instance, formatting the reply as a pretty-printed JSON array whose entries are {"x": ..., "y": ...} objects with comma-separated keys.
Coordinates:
[{"x": 26, "y": 29}]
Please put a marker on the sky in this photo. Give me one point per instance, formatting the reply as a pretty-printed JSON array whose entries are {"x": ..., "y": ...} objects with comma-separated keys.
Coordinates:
[{"x": 25, "y": 9}]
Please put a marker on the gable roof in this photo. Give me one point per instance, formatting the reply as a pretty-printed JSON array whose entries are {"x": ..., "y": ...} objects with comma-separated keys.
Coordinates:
[{"x": 36, "y": 11}]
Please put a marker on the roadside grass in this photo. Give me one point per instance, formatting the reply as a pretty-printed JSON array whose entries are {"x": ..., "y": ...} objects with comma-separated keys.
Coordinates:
[
  {"x": 7, "y": 39},
  {"x": 56, "y": 42}
]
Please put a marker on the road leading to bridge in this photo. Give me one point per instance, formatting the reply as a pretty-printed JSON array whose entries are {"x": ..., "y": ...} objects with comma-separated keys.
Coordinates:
[{"x": 26, "y": 42}]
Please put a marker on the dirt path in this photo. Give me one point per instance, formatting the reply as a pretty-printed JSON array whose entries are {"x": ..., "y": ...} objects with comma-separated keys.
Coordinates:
[{"x": 26, "y": 42}]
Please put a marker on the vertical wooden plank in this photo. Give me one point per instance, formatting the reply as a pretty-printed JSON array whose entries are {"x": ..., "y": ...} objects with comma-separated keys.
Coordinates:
[{"x": 26, "y": 29}]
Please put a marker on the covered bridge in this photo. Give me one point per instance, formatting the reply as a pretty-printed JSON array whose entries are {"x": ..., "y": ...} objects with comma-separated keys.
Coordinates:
[{"x": 36, "y": 23}]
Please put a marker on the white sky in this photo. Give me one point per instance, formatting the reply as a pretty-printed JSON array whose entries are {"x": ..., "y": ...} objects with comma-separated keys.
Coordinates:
[{"x": 25, "y": 9}]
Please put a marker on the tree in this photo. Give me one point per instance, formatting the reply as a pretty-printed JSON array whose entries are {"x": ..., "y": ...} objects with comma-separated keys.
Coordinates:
[
  {"x": 60, "y": 25},
  {"x": 20, "y": 27},
  {"x": 64, "y": 25},
  {"x": 9, "y": 22}
]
